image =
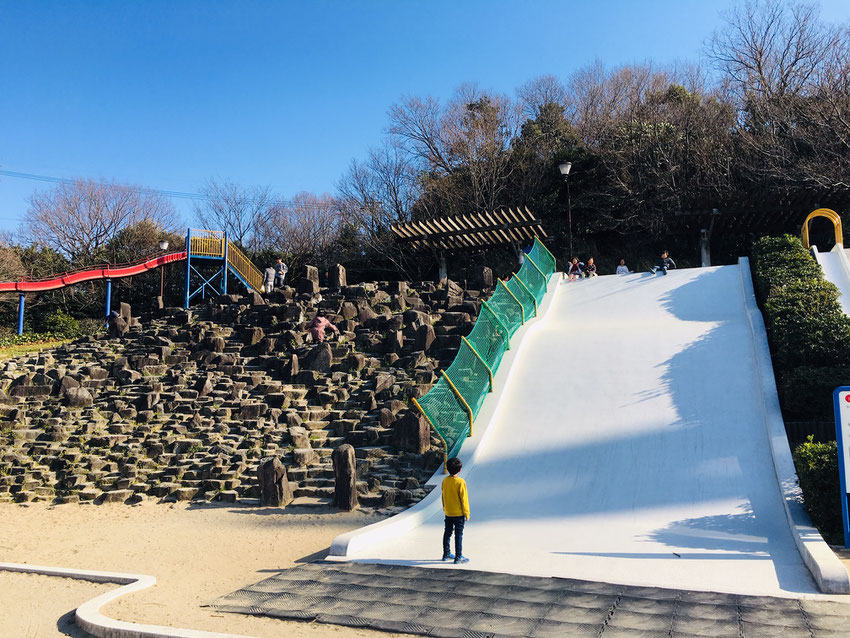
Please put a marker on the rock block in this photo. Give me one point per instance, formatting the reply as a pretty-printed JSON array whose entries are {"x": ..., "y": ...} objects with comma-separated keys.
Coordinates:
[{"x": 274, "y": 483}]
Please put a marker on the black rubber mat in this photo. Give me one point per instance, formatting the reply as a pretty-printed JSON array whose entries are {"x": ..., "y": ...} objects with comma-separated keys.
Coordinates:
[{"x": 450, "y": 603}]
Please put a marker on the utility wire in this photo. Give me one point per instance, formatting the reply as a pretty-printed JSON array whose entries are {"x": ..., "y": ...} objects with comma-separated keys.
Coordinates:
[{"x": 172, "y": 194}]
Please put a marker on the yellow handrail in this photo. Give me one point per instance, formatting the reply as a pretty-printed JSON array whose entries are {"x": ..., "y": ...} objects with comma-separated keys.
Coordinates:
[
  {"x": 832, "y": 216},
  {"x": 244, "y": 266},
  {"x": 207, "y": 243}
]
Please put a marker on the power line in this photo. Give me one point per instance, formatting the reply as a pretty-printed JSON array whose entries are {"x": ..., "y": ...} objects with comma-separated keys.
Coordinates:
[{"x": 172, "y": 194}]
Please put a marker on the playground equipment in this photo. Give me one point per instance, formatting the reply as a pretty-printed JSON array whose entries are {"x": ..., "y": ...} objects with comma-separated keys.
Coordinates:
[
  {"x": 634, "y": 436},
  {"x": 455, "y": 400},
  {"x": 200, "y": 244},
  {"x": 829, "y": 214},
  {"x": 836, "y": 262}
]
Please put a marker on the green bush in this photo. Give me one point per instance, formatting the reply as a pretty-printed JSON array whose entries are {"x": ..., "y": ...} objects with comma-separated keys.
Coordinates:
[
  {"x": 817, "y": 468},
  {"x": 781, "y": 261},
  {"x": 62, "y": 324},
  {"x": 806, "y": 324},
  {"x": 805, "y": 392}
]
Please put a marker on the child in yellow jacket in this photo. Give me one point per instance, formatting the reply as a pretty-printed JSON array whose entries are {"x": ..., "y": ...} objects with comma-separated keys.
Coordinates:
[{"x": 456, "y": 508}]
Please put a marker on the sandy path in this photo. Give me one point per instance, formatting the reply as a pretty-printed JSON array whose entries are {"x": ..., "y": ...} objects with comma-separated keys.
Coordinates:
[{"x": 197, "y": 553}]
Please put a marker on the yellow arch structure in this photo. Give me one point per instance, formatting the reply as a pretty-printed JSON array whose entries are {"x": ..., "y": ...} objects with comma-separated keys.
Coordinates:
[{"x": 832, "y": 216}]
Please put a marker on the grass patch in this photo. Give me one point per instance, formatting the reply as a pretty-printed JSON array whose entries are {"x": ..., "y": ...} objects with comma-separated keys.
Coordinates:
[{"x": 16, "y": 350}]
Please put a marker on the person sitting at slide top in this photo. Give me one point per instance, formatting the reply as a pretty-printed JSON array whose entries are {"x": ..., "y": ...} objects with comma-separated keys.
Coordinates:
[
  {"x": 664, "y": 263},
  {"x": 622, "y": 269},
  {"x": 574, "y": 269},
  {"x": 590, "y": 268},
  {"x": 456, "y": 509},
  {"x": 318, "y": 326}
]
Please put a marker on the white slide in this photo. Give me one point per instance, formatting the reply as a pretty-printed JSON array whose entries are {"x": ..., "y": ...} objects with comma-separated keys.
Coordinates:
[
  {"x": 636, "y": 442},
  {"x": 836, "y": 268}
]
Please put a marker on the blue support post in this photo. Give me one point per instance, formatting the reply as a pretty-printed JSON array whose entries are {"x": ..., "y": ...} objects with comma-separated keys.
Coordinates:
[
  {"x": 108, "y": 300},
  {"x": 21, "y": 314},
  {"x": 188, "y": 264},
  {"x": 224, "y": 270}
]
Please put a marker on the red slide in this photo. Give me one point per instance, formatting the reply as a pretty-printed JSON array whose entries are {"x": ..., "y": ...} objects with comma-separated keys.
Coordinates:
[{"x": 104, "y": 271}]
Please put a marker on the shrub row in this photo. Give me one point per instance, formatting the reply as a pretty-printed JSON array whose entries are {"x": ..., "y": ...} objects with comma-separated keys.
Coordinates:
[{"x": 809, "y": 337}]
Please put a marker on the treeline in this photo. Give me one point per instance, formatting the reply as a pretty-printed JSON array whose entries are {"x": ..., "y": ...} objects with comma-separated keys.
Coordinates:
[{"x": 766, "y": 110}]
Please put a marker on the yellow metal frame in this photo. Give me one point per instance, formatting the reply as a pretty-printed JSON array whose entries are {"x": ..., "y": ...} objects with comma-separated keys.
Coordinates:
[
  {"x": 481, "y": 359},
  {"x": 460, "y": 398},
  {"x": 832, "y": 216},
  {"x": 513, "y": 296},
  {"x": 244, "y": 266},
  {"x": 530, "y": 294},
  {"x": 433, "y": 427}
]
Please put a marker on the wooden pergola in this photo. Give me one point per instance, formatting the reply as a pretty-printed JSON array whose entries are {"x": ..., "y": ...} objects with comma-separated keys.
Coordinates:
[
  {"x": 472, "y": 231},
  {"x": 761, "y": 212}
]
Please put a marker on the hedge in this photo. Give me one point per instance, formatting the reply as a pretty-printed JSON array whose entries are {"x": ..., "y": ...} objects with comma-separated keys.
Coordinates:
[
  {"x": 817, "y": 468},
  {"x": 809, "y": 338}
]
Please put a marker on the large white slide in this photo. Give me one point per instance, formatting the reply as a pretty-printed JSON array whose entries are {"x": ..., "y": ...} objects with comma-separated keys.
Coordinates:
[
  {"x": 836, "y": 268},
  {"x": 632, "y": 438}
]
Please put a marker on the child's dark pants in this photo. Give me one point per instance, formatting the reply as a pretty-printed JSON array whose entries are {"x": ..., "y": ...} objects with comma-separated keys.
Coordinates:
[{"x": 454, "y": 524}]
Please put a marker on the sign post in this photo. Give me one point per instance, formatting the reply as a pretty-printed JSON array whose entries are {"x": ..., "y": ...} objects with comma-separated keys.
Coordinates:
[{"x": 841, "y": 401}]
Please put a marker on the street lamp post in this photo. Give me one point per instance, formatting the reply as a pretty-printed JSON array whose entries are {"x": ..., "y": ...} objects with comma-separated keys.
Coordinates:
[
  {"x": 565, "y": 171},
  {"x": 163, "y": 246}
]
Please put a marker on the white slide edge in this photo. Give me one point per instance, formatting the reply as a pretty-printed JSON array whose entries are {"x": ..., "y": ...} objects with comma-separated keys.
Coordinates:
[
  {"x": 826, "y": 568},
  {"x": 359, "y": 540},
  {"x": 88, "y": 616}
]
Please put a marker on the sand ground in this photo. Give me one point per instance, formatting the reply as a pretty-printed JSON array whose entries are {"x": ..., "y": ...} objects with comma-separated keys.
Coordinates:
[{"x": 196, "y": 553}]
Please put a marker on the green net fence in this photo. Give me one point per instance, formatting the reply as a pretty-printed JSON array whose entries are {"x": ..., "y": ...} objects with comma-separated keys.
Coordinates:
[
  {"x": 533, "y": 278},
  {"x": 455, "y": 400}
]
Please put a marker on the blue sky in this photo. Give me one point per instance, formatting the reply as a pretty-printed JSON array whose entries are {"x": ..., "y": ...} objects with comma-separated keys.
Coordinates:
[{"x": 168, "y": 94}]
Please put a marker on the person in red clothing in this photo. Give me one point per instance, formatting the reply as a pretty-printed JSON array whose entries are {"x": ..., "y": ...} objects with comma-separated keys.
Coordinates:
[
  {"x": 456, "y": 509},
  {"x": 318, "y": 326}
]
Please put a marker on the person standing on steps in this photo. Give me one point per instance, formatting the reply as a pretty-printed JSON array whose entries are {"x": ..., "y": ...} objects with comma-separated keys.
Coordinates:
[
  {"x": 664, "y": 263},
  {"x": 280, "y": 270},
  {"x": 268, "y": 279},
  {"x": 318, "y": 326},
  {"x": 456, "y": 509}
]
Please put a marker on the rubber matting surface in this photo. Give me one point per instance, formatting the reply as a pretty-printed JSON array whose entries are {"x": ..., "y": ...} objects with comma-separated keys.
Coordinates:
[{"x": 462, "y": 603}]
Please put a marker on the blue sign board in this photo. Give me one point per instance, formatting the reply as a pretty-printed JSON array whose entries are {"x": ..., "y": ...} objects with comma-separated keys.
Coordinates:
[{"x": 841, "y": 401}]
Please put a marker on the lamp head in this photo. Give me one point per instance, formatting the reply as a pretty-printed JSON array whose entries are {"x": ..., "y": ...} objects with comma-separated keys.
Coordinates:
[
  {"x": 565, "y": 168},
  {"x": 163, "y": 244}
]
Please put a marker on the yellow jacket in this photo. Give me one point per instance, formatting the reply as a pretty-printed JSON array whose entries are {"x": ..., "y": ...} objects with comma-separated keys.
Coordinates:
[{"x": 455, "y": 501}]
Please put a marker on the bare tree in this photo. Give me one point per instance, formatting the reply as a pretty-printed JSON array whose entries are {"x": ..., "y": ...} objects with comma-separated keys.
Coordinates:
[
  {"x": 234, "y": 209},
  {"x": 536, "y": 94},
  {"x": 788, "y": 72},
  {"x": 304, "y": 229},
  {"x": 78, "y": 219},
  {"x": 467, "y": 141}
]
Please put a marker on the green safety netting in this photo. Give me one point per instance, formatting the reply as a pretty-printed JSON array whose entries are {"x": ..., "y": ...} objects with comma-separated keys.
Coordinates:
[
  {"x": 542, "y": 257},
  {"x": 507, "y": 308},
  {"x": 533, "y": 278},
  {"x": 453, "y": 403},
  {"x": 524, "y": 295},
  {"x": 489, "y": 337}
]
